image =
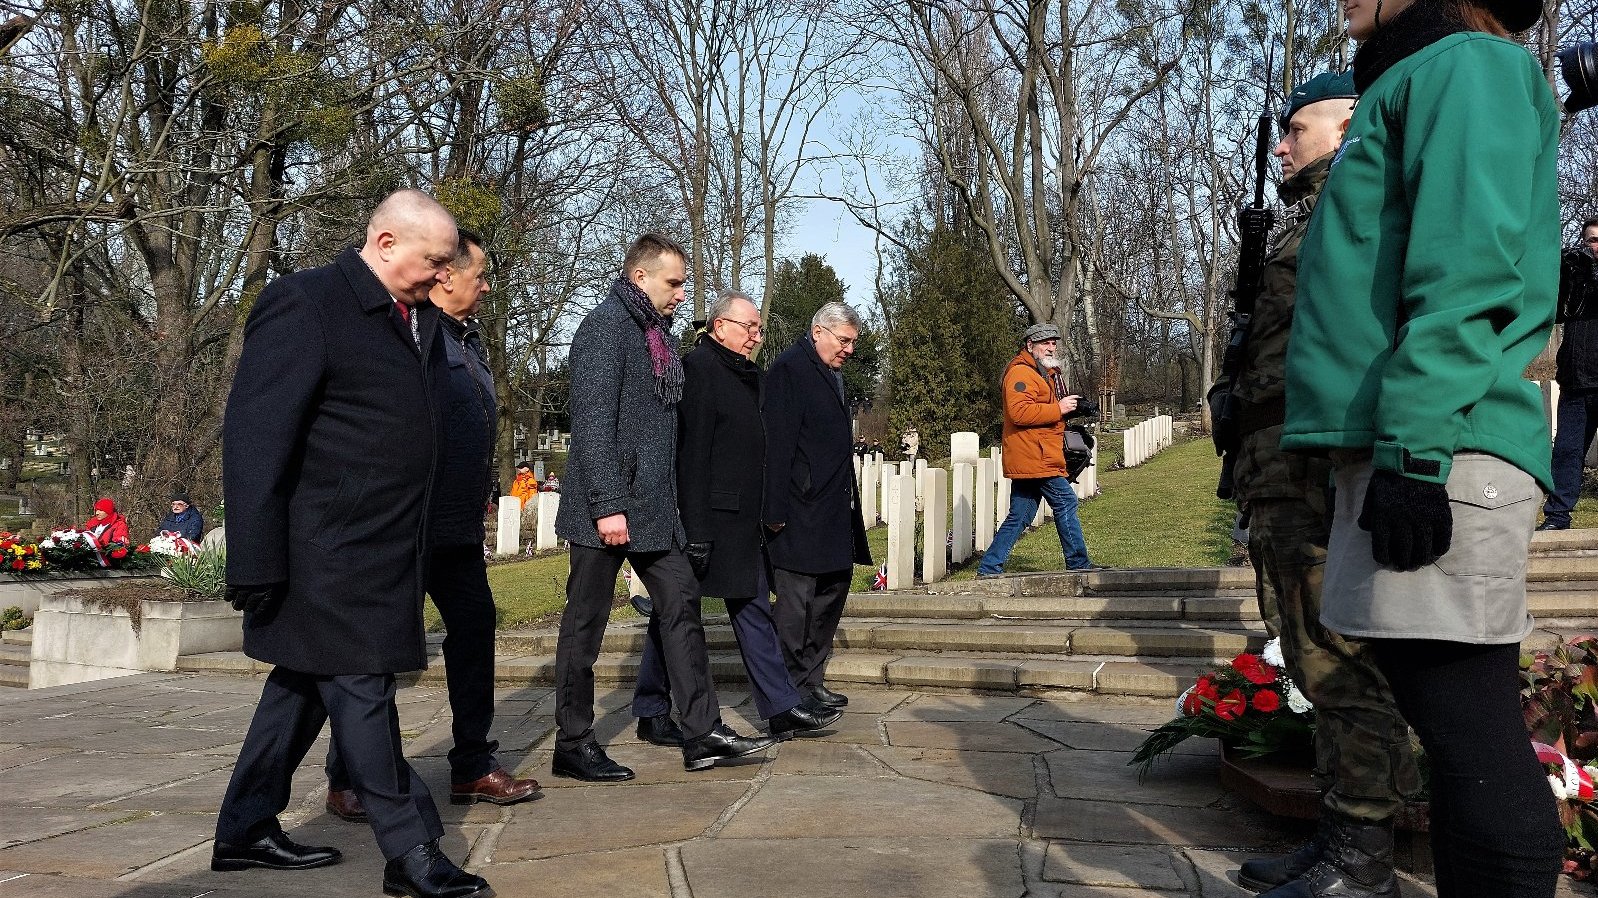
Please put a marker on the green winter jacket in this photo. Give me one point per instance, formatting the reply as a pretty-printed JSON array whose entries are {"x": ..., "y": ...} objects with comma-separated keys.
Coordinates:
[{"x": 1429, "y": 275}]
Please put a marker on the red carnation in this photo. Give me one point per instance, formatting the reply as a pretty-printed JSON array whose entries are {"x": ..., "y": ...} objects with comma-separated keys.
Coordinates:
[
  {"x": 1267, "y": 701},
  {"x": 18, "y": 565},
  {"x": 1232, "y": 706},
  {"x": 119, "y": 552}
]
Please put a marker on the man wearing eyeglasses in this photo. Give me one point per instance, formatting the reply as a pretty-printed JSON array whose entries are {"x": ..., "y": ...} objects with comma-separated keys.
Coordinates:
[
  {"x": 1577, "y": 375},
  {"x": 814, "y": 531},
  {"x": 721, "y": 454}
]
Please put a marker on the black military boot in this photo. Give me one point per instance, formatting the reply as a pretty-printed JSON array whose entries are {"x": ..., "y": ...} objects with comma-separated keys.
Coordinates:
[
  {"x": 1261, "y": 873},
  {"x": 1358, "y": 863}
]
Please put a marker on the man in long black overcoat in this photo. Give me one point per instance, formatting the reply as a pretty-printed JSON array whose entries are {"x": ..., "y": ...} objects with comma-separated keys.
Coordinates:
[
  {"x": 328, "y": 459},
  {"x": 812, "y": 504},
  {"x": 721, "y": 455}
]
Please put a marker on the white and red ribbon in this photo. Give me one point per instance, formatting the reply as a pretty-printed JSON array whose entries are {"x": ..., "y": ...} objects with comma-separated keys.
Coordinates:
[{"x": 1577, "y": 782}]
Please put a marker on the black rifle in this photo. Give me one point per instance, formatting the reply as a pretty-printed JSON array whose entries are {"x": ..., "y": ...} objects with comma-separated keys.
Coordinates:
[{"x": 1254, "y": 224}]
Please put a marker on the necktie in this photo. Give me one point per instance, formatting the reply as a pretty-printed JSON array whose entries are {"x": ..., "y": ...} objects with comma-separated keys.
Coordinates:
[{"x": 408, "y": 318}]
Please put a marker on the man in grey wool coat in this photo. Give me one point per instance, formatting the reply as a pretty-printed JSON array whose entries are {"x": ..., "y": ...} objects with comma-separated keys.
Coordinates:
[{"x": 619, "y": 503}]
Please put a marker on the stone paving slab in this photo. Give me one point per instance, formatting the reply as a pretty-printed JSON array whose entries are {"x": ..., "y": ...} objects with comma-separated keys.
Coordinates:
[{"x": 111, "y": 789}]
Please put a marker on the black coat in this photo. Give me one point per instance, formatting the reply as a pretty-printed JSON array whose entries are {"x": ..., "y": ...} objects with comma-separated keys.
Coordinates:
[
  {"x": 624, "y": 438},
  {"x": 1578, "y": 312},
  {"x": 810, "y": 486},
  {"x": 721, "y": 456},
  {"x": 468, "y": 418},
  {"x": 328, "y": 457}
]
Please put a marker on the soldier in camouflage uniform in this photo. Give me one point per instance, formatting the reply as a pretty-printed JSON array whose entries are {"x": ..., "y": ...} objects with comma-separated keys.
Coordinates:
[{"x": 1363, "y": 758}]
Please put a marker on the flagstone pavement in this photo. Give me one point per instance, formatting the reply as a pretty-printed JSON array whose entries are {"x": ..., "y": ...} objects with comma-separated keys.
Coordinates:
[{"x": 111, "y": 789}]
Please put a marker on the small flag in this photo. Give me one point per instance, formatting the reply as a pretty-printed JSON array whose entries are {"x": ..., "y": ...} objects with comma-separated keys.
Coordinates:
[{"x": 880, "y": 582}]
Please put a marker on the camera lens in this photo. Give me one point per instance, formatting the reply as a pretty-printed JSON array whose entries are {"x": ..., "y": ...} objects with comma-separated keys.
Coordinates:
[{"x": 1578, "y": 65}]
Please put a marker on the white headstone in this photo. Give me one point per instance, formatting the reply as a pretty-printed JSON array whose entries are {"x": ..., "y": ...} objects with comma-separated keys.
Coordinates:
[
  {"x": 935, "y": 526},
  {"x": 886, "y": 473},
  {"x": 548, "y": 507},
  {"x": 509, "y": 540},
  {"x": 921, "y": 483},
  {"x": 902, "y": 532},
  {"x": 869, "y": 492},
  {"x": 964, "y": 447},
  {"x": 984, "y": 504},
  {"x": 960, "y": 516}
]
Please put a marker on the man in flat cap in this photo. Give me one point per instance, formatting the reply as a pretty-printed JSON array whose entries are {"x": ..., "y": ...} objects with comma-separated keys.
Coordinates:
[{"x": 1036, "y": 404}]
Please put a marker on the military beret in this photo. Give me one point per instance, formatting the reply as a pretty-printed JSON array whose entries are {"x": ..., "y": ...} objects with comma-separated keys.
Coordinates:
[
  {"x": 1517, "y": 15},
  {"x": 1325, "y": 86},
  {"x": 1037, "y": 333}
]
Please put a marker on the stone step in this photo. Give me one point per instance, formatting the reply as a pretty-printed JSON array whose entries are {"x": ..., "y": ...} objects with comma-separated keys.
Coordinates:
[
  {"x": 1067, "y": 637},
  {"x": 13, "y": 653},
  {"x": 991, "y": 672},
  {"x": 14, "y": 658},
  {"x": 18, "y": 637}
]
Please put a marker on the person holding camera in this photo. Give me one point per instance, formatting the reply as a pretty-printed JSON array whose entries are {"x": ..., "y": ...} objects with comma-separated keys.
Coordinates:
[
  {"x": 1363, "y": 761},
  {"x": 1036, "y": 406},
  {"x": 1577, "y": 375},
  {"x": 1427, "y": 282}
]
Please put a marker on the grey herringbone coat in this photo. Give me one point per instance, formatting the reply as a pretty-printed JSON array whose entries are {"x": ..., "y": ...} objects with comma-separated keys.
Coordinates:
[{"x": 624, "y": 438}]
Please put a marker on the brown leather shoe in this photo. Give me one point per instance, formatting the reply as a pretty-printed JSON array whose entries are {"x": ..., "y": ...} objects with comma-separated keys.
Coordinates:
[
  {"x": 498, "y": 787},
  {"x": 345, "y": 805}
]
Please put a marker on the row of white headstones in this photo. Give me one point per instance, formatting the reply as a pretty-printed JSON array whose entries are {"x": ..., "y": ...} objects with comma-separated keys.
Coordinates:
[{"x": 958, "y": 508}]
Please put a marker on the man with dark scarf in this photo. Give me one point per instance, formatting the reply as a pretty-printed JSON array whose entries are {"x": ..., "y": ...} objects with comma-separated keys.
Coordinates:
[{"x": 619, "y": 503}]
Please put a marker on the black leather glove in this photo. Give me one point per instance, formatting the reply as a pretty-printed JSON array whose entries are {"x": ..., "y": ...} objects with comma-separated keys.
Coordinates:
[
  {"x": 698, "y": 556},
  {"x": 256, "y": 599},
  {"x": 1409, "y": 520}
]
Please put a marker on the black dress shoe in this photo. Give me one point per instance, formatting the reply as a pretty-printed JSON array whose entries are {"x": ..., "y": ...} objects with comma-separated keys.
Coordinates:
[
  {"x": 275, "y": 852},
  {"x": 659, "y": 731},
  {"x": 424, "y": 872},
  {"x": 799, "y": 719},
  {"x": 720, "y": 744},
  {"x": 644, "y": 605},
  {"x": 1548, "y": 526},
  {"x": 827, "y": 697},
  {"x": 588, "y": 762}
]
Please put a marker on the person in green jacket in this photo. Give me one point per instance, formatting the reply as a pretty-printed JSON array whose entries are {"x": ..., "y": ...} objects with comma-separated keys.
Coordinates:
[
  {"x": 1427, "y": 283},
  {"x": 1363, "y": 760}
]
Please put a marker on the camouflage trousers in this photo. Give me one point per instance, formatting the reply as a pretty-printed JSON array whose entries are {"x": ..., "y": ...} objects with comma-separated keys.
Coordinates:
[{"x": 1363, "y": 759}]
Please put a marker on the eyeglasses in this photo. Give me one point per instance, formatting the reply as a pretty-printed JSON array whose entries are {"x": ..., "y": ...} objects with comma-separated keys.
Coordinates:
[
  {"x": 845, "y": 342},
  {"x": 753, "y": 327}
]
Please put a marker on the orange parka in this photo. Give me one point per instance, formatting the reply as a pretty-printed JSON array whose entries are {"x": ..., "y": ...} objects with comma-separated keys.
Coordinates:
[
  {"x": 525, "y": 487},
  {"x": 1034, "y": 429}
]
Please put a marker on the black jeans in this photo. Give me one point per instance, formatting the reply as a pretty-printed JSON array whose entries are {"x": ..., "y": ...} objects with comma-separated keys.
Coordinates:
[
  {"x": 457, "y": 581},
  {"x": 1495, "y": 832}
]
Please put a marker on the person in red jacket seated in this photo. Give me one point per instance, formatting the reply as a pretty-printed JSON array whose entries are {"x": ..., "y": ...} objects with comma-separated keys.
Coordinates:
[{"x": 106, "y": 525}]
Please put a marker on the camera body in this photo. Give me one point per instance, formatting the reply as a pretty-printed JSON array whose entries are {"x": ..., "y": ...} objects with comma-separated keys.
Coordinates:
[{"x": 1085, "y": 408}]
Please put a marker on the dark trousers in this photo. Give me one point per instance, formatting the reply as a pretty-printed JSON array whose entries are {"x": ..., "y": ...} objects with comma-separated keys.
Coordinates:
[
  {"x": 753, "y": 625},
  {"x": 675, "y": 628},
  {"x": 809, "y": 607},
  {"x": 365, "y": 722},
  {"x": 1495, "y": 832},
  {"x": 457, "y": 581},
  {"x": 1578, "y": 419}
]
